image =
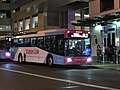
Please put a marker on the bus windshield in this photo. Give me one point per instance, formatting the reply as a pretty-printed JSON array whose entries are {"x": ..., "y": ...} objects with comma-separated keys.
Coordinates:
[{"x": 77, "y": 47}]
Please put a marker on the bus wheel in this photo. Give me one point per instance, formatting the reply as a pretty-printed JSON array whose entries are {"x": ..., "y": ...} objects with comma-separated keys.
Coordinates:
[
  {"x": 24, "y": 57},
  {"x": 49, "y": 61},
  {"x": 20, "y": 58}
]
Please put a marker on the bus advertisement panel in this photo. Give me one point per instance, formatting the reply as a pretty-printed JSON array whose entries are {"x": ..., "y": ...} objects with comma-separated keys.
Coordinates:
[{"x": 63, "y": 47}]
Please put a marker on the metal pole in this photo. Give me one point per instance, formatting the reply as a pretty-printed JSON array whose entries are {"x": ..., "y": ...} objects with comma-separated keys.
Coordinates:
[
  {"x": 103, "y": 47},
  {"x": 116, "y": 36}
]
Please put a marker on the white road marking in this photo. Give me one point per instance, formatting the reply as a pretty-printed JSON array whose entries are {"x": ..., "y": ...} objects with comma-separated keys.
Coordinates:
[
  {"x": 61, "y": 80},
  {"x": 69, "y": 87}
]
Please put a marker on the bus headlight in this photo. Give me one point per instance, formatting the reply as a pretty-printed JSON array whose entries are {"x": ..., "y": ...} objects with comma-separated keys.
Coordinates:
[
  {"x": 89, "y": 59},
  {"x": 69, "y": 60},
  {"x": 7, "y": 54}
]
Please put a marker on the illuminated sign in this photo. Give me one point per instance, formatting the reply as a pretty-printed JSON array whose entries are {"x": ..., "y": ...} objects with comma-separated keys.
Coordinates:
[{"x": 81, "y": 35}]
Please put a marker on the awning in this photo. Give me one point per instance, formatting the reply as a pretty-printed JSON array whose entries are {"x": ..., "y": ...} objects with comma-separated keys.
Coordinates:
[{"x": 115, "y": 16}]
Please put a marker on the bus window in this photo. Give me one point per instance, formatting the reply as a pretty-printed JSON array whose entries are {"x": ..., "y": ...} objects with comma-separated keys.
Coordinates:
[
  {"x": 33, "y": 41},
  {"x": 77, "y": 47},
  {"x": 27, "y": 41},
  {"x": 14, "y": 42},
  {"x": 47, "y": 43},
  {"x": 53, "y": 43},
  {"x": 40, "y": 42},
  {"x": 60, "y": 44},
  {"x": 18, "y": 42},
  {"x": 87, "y": 50}
]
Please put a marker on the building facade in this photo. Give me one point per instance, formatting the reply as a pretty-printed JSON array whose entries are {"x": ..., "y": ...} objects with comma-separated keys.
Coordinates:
[
  {"x": 5, "y": 16},
  {"x": 39, "y": 15},
  {"x": 7, "y": 8},
  {"x": 105, "y": 19}
]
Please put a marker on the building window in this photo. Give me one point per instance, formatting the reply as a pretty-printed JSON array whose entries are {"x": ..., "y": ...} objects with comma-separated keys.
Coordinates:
[
  {"x": 20, "y": 25},
  {"x": 27, "y": 24},
  {"x": 5, "y": 27},
  {"x": 5, "y": 14},
  {"x": 106, "y": 5},
  {"x": 6, "y": 1},
  {"x": 35, "y": 22}
]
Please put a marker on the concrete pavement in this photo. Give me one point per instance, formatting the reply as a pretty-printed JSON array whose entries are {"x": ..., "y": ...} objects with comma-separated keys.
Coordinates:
[{"x": 108, "y": 66}]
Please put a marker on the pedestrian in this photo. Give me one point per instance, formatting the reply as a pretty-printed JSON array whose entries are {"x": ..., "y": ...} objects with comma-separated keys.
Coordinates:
[
  {"x": 110, "y": 53},
  {"x": 99, "y": 53}
]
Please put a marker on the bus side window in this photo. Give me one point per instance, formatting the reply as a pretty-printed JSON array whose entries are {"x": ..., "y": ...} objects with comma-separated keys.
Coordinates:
[
  {"x": 47, "y": 43},
  {"x": 33, "y": 41},
  {"x": 53, "y": 43},
  {"x": 60, "y": 45},
  {"x": 40, "y": 42}
]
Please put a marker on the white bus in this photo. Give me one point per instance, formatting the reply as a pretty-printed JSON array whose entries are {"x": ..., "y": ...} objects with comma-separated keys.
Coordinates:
[
  {"x": 5, "y": 44},
  {"x": 63, "y": 47}
]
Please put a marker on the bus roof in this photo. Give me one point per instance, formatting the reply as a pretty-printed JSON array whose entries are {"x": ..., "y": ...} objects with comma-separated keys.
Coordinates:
[
  {"x": 42, "y": 33},
  {"x": 46, "y": 33}
]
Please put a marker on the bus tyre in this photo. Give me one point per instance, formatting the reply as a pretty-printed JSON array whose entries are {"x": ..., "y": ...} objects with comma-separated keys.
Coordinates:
[
  {"x": 49, "y": 60},
  {"x": 24, "y": 57},
  {"x": 20, "y": 58}
]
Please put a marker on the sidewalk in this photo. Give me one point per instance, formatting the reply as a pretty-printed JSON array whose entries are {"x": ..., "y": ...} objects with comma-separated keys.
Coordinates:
[{"x": 108, "y": 66}]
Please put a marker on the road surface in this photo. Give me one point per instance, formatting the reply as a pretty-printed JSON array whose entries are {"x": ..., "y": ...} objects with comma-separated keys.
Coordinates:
[{"x": 15, "y": 76}]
